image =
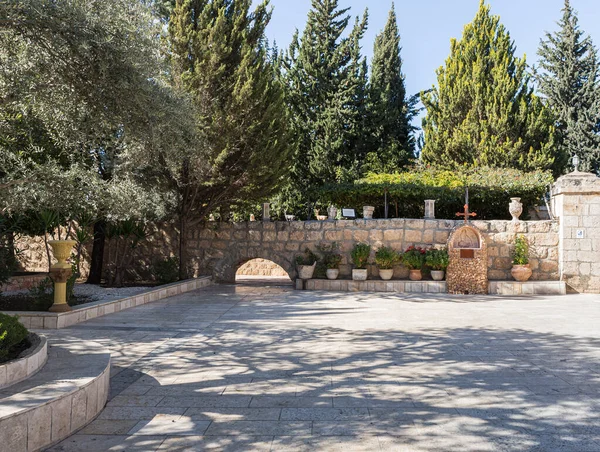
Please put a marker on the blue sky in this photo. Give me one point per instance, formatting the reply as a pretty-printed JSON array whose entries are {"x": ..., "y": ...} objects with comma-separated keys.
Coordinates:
[{"x": 426, "y": 27}]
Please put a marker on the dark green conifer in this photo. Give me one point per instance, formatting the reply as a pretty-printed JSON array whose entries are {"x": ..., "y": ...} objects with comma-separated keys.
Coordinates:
[
  {"x": 392, "y": 144},
  {"x": 570, "y": 82}
]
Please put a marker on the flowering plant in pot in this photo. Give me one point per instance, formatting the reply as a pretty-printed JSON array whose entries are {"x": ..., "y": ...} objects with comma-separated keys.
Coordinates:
[
  {"x": 306, "y": 264},
  {"x": 360, "y": 258},
  {"x": 521, "y": 270},
  {"x": 437, "y": 261},
  {"x": 414, "y": 259},
  {"x": 331, "y": 259},
  {"x": 386, "y": 258}
]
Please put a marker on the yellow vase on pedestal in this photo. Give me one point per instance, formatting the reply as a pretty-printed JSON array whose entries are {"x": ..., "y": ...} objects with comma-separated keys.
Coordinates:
[{"x": 60, "y": 273}]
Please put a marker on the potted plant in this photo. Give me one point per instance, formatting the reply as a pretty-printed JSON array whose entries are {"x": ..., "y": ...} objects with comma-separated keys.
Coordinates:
[
  {"x": 360, "y": 258},
  {"x": 437, "y": 261},
  {"x": 331, "y": 259},
  {"x": 306, "y": 263},
  {"x": 414, "y": 259},
  {"x": 368, "y": 212},
  {"x": 332, "y": 212},
  {"x": 521, "y": 270},
  {"x": 386, "y": 258}
]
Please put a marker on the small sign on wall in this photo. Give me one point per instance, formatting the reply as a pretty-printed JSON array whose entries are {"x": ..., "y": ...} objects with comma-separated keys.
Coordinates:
[
  {"x": 580, "y": 233},
  {"x": 348, "y": 213}
]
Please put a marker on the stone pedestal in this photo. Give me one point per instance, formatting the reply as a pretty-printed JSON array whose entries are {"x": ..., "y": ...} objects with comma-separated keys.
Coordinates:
[
  {"x": 60, "y": 273},
  {"x": 467, "y": 269},
  {"x": 576, "y": 203}
]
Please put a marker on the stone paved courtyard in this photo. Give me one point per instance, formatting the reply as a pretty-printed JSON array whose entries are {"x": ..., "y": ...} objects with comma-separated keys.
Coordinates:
[{"x": 259, "y": 367}]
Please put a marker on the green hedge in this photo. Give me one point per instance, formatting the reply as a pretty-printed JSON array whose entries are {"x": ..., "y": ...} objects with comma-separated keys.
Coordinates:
[
  {"x": 490, "y": 191},
  {"x": 12, "y": 333}
]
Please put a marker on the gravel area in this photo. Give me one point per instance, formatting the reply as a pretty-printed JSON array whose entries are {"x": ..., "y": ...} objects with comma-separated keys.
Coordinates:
[{"x": 98, "y": 293}]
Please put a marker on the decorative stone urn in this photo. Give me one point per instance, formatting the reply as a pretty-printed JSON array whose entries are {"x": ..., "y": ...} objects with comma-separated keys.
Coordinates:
[
  {"x": 60, "y": 273},
  {"x": 306, "y": 271},
  {"x": 386, "y": 275},
  {"x": 332, "y": 212},
  {"x": 521, "y": 273},
  {"x": 438, "y": 275},
  {"x": 332, "y": 273},
  {"x": 368, "y": 212},
  {"x": 359, "y": 274},
  {"x": 515, "y": 208},
  {"x": 415, "y": 275}
]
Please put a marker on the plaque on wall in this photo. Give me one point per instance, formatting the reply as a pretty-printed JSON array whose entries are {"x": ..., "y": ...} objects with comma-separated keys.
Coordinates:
[{"x": 348, "y": 213}]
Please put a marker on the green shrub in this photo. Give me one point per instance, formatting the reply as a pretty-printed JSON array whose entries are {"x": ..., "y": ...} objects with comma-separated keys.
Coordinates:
[
  {"x": 307, "y": 258},
  {"x": 331, "y": 257},
  {"x": 436, "y": 259},
  {"x": 414, "y": 258},
  {"x": 386, "y": 258},
  {"x": 490, "y": 190},
  {"x": 12, "y": 333},
  {"x": 360, "y": 255},
  {"x": 166, "y": 271},
  {"x": 521, "y": 253}
]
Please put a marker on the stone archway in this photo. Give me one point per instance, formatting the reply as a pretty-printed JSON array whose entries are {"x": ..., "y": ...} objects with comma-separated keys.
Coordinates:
[{"x": 225, "y": 270}]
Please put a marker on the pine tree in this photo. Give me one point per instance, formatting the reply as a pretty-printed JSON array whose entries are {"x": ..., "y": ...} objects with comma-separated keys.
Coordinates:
[
  {"x": 325, "y": 77},
  {"x": 220, "y": 57},
  {"x": 390, "y": 111},
  {"x": 483, "y": 111},
  {"x": 570, "y": 82}
]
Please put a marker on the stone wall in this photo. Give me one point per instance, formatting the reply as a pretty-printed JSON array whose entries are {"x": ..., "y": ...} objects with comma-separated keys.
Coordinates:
[
  {"x": 261, "y": 267},
  {"x": 221, "y": 248},
  {"x": 576, "y": 202}
]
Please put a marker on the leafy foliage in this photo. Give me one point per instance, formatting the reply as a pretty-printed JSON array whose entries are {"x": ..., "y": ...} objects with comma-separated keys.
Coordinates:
[
  {"x": 12, "y": 333},
  {"x": 166, "y": 271},
  {"x": 436, "y": 259},
  {"x": 330, "y": 255},
  {"x": 386, "y": 258},
  {"x": 490, "y": 191},
  {"x": 307, "y": 258},
  {"x": 483, "y": 110},
  {"x": 414, "y": 258},
  {"x": 360, "y": 255},
  {"x": 521, "y": 252},
  {"x": 570, "y": 81}
]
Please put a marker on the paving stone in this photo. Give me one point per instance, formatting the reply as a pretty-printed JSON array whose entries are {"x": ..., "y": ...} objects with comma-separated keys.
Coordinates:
[
  {"x": 182, "y": 426},
  {"x": 221, "y": 444},
  {"x": 259, "y": 428}
]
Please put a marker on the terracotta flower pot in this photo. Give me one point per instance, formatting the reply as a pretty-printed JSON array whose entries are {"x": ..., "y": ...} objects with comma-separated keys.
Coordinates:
[
  {"x": 415, "y": 275},
  {"x": 359, "y": 274},
  {"x": 332, "y": 273},
  {"x": 386, "y": 274},
  {"x": 521, "y": 273},
  {"x": 438, "y": 275}
]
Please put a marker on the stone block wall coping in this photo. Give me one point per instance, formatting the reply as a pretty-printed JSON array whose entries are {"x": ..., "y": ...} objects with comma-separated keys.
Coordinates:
[
  {"x": 54, "y": 320},
  {"x": 17, "y": 370},
  {"x": 66, "y": 395},
  {"x": 576, "y": 183}
]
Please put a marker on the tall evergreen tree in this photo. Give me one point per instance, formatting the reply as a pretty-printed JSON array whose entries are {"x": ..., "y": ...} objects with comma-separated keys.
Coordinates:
[
  {"x": 390, "y": 111},
  {"x": 220, "y": 57},
  {"x": 325, "y": 76},
  {"x": 570, "y": 81},
  {"x": 483, "y": 111}
]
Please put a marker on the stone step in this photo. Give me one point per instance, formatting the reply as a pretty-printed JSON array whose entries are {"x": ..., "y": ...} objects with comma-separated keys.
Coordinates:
[
  {"x": 64, "y": 396},
  {"x": 402, "y": 286}
]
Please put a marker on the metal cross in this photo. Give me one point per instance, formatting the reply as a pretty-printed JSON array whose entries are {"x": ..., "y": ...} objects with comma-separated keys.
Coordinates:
[{"x": 467, "y": 214}]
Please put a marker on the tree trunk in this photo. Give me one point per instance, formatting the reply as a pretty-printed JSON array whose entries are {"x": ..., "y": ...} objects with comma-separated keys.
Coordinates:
[
  {"x": 96, "y": 266},
  {"x": 182, "y": 249}
]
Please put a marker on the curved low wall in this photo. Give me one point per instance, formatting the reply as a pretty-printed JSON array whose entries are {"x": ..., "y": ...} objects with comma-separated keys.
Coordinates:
[
  {"x": 17, "y": 370},
  {"x": 65, "y": 396}
]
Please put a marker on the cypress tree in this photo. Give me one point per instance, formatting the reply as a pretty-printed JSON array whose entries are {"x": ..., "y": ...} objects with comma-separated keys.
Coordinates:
[
  {"x": 221, "y": 59},
  {"x": 325, "y": 77},
  {"x": 483, "y": 111},
  {"x": 390, "y": 111},
  {"x": 569, "y": 80}
]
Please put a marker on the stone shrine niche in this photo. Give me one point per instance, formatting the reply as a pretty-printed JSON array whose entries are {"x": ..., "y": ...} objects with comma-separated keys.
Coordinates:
[{"x": 467, "y": 267}]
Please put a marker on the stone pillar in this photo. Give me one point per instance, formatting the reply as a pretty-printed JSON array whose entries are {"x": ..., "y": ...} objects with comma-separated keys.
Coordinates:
[
  {"x": 576, "y": 203},
  {"x": 266, "y": 213},
  {"x": 430, "y": 209}
]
